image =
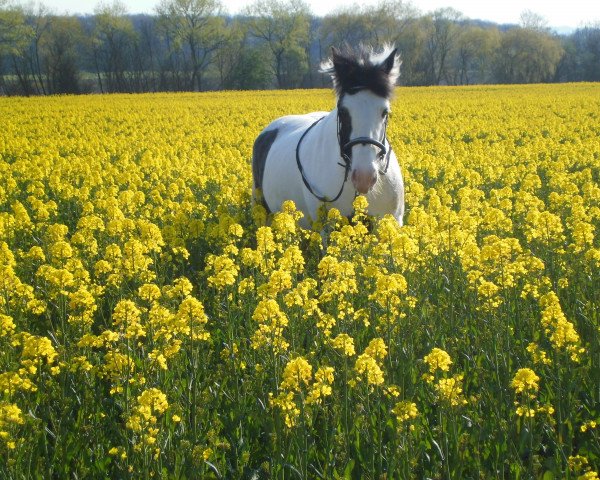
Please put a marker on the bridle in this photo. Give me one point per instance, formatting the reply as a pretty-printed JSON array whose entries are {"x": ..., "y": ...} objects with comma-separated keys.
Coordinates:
[{"x": 346, "y": 149}]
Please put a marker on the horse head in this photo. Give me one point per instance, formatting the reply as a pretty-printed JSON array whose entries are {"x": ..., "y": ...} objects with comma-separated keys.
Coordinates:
[{"x": 364, "y": 84}]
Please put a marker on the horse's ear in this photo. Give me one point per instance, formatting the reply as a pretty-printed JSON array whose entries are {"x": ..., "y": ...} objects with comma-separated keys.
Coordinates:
[
  {"x": 391, "y": 66},
  {"x": 389, "y": 63}
]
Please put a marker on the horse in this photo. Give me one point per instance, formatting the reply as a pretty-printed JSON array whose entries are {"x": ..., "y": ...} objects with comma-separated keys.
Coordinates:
[{"x": 331, "y": 157}]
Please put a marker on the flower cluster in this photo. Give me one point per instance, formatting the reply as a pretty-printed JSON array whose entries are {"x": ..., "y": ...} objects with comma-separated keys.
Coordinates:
[{"x": 299, "y": 390}]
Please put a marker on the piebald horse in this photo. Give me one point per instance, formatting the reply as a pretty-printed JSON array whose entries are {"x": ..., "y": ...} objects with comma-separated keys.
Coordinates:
[{"x": 331, "y": 157}]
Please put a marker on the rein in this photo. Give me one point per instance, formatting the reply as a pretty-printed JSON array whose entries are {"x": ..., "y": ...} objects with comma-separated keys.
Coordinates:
[{"x": 344, "y": 152}]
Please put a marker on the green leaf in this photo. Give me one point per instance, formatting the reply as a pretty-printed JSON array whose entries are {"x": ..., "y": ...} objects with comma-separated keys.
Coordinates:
[
  {"x": 548, "y": 475},
  {"x": 348, "y": 469}
]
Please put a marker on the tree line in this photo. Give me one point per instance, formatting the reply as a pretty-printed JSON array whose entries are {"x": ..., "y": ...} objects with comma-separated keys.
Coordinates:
[{"x": 191, "y": 45}]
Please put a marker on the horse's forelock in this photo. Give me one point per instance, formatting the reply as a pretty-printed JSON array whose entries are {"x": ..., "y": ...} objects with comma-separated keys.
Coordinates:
[{"x": 353, "y": 70}]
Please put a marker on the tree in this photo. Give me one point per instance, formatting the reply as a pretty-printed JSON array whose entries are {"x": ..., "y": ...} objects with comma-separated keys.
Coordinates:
[
  {"x": 443, "y": 34},
  {"x": 38, "y": 19},
  {"x": 251, "y": 71},
  {"x": 591, "y": 58},
  {"x": 394, "y": 22},
  {"x": 15, "y": 37},
  {"x": 146, "y": 54},
  {"x": 283, "y": 25},
  {"x": 15, "y": 34},
  {"x": 526, "y": 55},
  {"x": 60, "y": 54},
  {"x": 533, "y": 21},
  {"x": 475, "y": 48},
  {"x": 377, "y": 24},
  {"x": 112, "y": 39},
  {"x": 389, "y": 20},
  {"x": 346, "y": 26},
  {"x": 584, "y": 58},
  {"x": 194, "y": 28},
  {"x": 236, "y": 59}
]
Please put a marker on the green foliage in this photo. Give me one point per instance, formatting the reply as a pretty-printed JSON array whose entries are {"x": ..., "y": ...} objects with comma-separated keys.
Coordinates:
[
  {"x": 15, "y": 34},
  {"x": 527, "y": 55},
  {"x": 283, "y": 25},
  {"x": 195, "y": 30}
]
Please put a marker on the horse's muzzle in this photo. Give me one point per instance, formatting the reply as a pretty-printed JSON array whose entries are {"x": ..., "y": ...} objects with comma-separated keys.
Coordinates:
[{"x": 363, "y": 181}]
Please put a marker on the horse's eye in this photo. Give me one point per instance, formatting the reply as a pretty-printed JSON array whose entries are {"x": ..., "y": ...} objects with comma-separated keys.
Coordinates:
[{"x": 385, "y": 113}]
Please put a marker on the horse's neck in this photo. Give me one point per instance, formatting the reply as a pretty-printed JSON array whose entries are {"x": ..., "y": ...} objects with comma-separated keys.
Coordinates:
[
  {"x": 322, "y": 150},
  {"x": 321, "y": 159}
]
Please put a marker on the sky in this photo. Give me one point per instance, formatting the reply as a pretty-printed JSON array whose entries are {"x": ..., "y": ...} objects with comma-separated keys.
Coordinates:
[{"x": 558, "y": 13}]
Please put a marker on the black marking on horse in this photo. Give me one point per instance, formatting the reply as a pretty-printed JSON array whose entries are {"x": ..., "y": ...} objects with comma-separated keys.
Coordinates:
[
  {"x": 353, "y": 71},
  {"x": 262, "y": 145},
  {"x": 345, "y": 126}
]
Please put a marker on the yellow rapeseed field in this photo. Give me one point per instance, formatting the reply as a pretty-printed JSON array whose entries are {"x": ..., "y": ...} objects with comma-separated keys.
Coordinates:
[{"x": 153, "y": 323}]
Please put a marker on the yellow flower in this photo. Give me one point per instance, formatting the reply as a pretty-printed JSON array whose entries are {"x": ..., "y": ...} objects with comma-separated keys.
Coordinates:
[
  {"x": 344, "y": 343},
  {"x": 191, "y": 315},
  {"x": 37, "y": 348},
  {"x": 590, "y": 425},
  {"x": 376, "y": 349},
  {"x": 149, "y": 292},
  {"x": 577, "y": 462},
  {"x": 279, "y": 281},
  {"x": 285, "y": 402},
  {"x": 207, "y": 453},
  {"x": 292, "y": 260},
  {"x": 561, "y": 332},
  {"x": 405, "y": 411},
  {"x": 117, "y": 366},
  {"x": 322, "y": 386},
  {"x": 271, "y": 324},
  {"x": 10, "y": 382},
  {"x": 438, "y": 359},
  {"x": 10, "y": 416},
  {"x": 224, "y": 271},
  {"x": 360, "y": 204},
  {"x": 82, "y": 306},
  {"x": 525, "y": 381},
  {"x": 389, "y": 290},
  {"x": 537, "y": 354},
  {"x": 367, "y": 367},
  {"x": 180, "y": 288},
  {"x": 449, "y": 391},
  {"x": 149, "y": 406},
  {"x": 296, "y": 373},
  {"x": 7, "y": 326},
  {"x": 127, "y": 316},
  {"x": 525, "y": 411}
]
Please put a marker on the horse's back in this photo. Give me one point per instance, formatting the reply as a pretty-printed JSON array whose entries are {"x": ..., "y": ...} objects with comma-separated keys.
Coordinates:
[{"x": 291, "y": 123}]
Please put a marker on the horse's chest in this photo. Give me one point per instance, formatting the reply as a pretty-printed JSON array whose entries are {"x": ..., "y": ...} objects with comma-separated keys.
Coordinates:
[{"x": 385, "y": 197}]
